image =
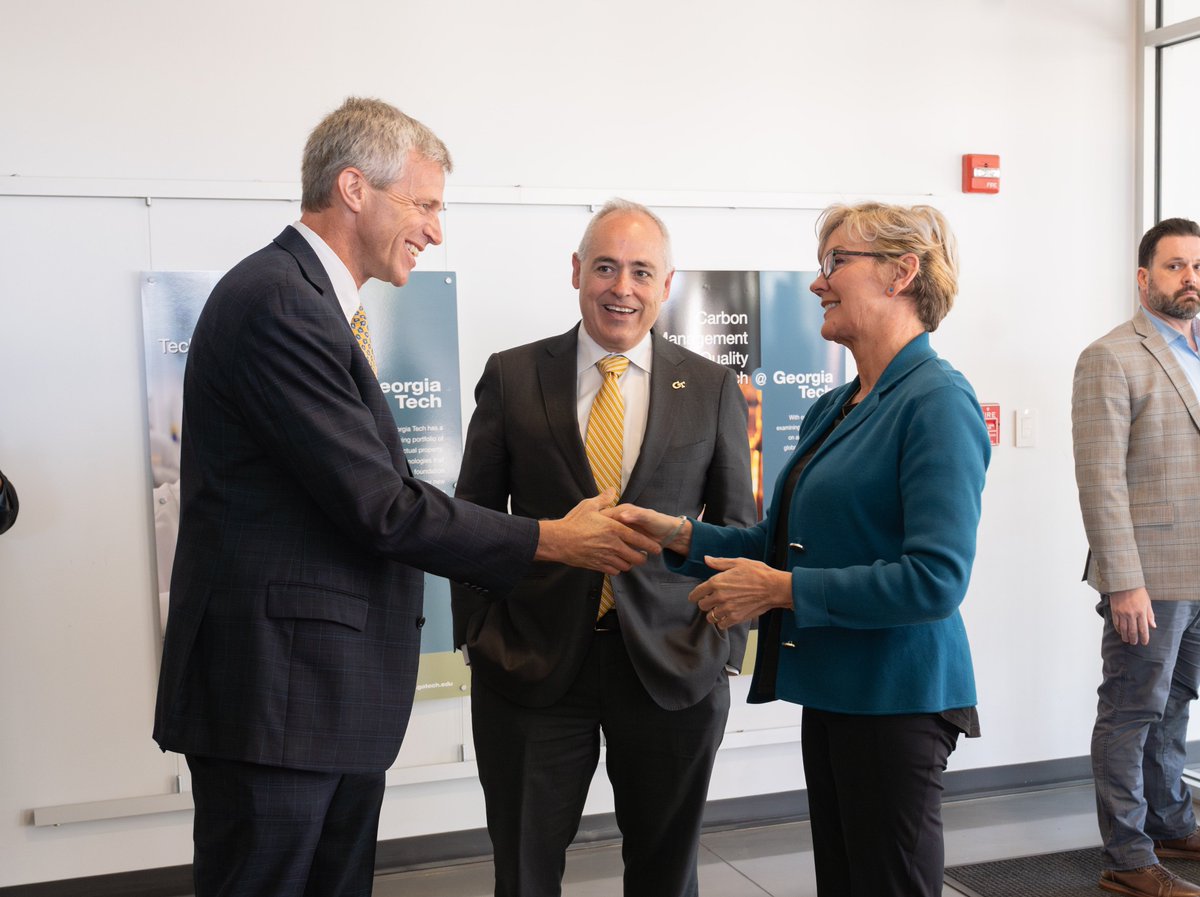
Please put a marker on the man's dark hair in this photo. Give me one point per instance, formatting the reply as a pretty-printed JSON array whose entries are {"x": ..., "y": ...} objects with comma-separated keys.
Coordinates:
[{"x": 1169, "y": 227}]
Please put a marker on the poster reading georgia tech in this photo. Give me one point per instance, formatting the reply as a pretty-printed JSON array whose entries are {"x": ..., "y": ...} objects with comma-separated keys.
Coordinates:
[
  {"x": 766, "y": 326},
  {"x": 415, "y": 335}
]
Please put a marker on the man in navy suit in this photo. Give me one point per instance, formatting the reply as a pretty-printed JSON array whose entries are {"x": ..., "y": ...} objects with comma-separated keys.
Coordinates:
[
  {"x": 553, "y": 662},
  {"x": 292, "y": 644}
]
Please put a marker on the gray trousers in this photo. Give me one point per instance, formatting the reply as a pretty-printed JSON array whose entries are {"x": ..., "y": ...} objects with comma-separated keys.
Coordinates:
[
  {"x": 536, "y": 765},
  {"x": 1139, "y": 741}
]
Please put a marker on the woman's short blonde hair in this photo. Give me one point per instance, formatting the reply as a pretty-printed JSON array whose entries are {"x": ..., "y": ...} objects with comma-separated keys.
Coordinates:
[{"x": 898, "y": 230}]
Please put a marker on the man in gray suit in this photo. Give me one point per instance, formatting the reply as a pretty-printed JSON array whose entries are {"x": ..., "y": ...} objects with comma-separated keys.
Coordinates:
[
  {"x": 1136, "y": 428},
  {"x": 551, "y": 665}
]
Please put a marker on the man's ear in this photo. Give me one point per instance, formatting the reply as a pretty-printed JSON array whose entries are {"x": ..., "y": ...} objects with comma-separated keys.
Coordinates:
[
  {"x": 667, "y": 285},
  {"x": 351, "y": 188},
  {"x": 575, "y": 266}
]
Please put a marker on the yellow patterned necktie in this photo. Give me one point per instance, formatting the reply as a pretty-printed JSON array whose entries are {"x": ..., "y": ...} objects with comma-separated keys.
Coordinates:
[
  {"x": 605, "y": 442},
  {"x": 363, "y": 334}
]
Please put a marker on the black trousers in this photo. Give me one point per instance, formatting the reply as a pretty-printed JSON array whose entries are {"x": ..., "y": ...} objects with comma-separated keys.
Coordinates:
[
  {"x": 263, "y": 831},
  {"x": 875, "y": 798},
  {"x": 536, "y": 764}
]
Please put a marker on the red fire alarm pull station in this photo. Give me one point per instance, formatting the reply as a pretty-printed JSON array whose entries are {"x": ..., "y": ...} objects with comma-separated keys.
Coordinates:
[
  {"x": 981, "y": 174},
  {"x": 991, "y": 417}
]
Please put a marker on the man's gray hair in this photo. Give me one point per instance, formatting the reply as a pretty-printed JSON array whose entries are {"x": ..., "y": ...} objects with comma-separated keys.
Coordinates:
[
  {"x": 373, "y": 136},
  {"x": 625, "y": 205}
]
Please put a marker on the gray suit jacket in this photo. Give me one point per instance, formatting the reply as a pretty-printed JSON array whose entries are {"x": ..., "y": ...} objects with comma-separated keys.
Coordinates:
[
  {"x": 523, "y": 446},
  {"x": 1136, "y": 430}
]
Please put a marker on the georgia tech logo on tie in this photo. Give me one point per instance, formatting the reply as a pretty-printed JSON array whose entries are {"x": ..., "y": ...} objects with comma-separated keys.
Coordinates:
[{"x": 679, "y": 384}]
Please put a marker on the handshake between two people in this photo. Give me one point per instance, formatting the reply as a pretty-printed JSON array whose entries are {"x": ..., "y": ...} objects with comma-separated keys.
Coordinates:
[{"x": 612, "y": 540}]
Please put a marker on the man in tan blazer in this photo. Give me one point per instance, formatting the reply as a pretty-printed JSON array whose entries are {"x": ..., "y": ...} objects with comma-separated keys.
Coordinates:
[{"x": 1136, "y": 432}]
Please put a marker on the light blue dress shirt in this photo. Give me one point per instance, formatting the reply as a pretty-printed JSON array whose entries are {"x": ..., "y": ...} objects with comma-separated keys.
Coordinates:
[{"x": 1189, "y": 360}]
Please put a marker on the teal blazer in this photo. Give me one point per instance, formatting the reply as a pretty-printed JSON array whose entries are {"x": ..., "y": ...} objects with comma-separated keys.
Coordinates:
[{"x": 881, "y": 533}]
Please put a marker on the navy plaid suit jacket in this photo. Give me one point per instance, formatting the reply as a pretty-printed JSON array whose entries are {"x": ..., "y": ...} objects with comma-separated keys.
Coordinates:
[{"x": 296, "y": 595}]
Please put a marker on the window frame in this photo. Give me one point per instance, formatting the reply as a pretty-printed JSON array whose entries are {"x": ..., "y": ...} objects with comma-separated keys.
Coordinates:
[{"x": 1155, "y": 39}]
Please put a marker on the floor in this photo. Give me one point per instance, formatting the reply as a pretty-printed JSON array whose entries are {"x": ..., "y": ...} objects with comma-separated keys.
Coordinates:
[{"x": 776, "y": 861}]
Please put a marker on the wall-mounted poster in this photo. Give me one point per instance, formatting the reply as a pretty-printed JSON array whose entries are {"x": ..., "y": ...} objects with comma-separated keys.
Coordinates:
[
  {"x": 415, "y": 335},
  {"x": 766, "y": 326}
]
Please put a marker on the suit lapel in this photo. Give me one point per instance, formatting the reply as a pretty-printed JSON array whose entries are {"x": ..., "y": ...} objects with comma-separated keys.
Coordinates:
[
  {"x": 313, "y": 271},
  {"x": 1165, "y": 356},
  {"x": 917, "y": 352},
  {"x": 558, "y": 378},
  {"x": 661, "y": 415},
  {"x": 913, "y": 355},
  {"x": 293, "y": 242}
]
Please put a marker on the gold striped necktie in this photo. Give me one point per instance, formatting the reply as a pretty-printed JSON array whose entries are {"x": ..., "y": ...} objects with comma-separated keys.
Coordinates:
[
  {"x": 363, "y": 334},
  {"x": 605, "y": 442}
]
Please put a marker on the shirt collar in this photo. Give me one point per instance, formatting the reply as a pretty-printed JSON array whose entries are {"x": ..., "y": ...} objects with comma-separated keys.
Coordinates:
[
  {"x": 590, "y": 351},
  {"x": 1170, "y": 334},
  {"x": 339, "y": 275}
]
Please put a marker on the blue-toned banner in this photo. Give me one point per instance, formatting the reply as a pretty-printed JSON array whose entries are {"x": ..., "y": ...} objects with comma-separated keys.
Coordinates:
[
  {"x": 414, "y": 331},
  {"x": 766, "y": 326}
]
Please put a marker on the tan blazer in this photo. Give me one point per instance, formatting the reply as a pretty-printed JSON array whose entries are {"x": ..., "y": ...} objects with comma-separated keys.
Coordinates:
[{"x": 1136, "y": 431}]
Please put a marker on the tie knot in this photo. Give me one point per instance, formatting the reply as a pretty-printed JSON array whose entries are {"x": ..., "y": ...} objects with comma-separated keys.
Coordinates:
[{"x": 613, "y": 364}]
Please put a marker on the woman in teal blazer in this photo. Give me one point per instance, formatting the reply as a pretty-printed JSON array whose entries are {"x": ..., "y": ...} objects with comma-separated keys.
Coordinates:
[{"x": 859, "y": 569}]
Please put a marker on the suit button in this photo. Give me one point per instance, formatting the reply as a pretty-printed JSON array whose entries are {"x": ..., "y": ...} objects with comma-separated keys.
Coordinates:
[
  {"x": 796, "y": 546},
  {"x": 420, "y": 622}
]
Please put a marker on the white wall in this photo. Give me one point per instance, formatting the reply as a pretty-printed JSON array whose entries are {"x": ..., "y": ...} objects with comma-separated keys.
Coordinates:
[{"x": 772, "y": 96}]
